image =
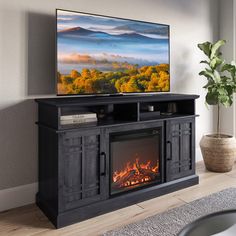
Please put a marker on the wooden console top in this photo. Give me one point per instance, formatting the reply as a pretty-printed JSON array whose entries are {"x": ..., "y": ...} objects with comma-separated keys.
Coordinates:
[{"x": 114, "y": 99}]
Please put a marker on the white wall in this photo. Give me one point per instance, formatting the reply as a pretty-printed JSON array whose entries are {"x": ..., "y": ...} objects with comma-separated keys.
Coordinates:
[{"x": 27, "y": 65}]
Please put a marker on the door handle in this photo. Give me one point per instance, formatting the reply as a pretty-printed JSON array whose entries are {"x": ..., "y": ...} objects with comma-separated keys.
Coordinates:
[
  {"x": 103, "y": 165},
  {"x": 170, "y": 148}
]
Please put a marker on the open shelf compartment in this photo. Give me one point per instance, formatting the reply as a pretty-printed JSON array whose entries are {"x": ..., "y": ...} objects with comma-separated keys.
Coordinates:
[{"x": 159, "y": 110}]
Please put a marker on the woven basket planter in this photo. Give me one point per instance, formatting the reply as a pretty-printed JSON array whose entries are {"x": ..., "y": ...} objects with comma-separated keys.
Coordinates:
[{"x": 218, "y": 152}]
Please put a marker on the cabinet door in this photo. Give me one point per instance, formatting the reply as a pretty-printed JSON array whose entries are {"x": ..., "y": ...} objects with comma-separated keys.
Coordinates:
[
  {"x": 81, "y": 169},
  {"x": 180, "y": 148}
]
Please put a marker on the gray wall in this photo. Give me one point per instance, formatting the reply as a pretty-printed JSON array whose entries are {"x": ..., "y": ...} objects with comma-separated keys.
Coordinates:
[
  {"x": 27, "y": 65},
  {"x": 227, "y": 32}
]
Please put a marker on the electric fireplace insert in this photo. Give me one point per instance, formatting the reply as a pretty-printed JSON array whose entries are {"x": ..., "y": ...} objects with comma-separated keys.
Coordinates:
[{"x": 135, "y": 160}]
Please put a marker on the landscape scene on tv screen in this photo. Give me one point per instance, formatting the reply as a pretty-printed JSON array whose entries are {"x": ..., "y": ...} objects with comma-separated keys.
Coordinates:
[{"x": 106, "y": 55}]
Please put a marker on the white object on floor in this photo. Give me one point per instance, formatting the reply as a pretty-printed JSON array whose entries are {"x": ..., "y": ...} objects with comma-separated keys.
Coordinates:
[{"x": 231, "y": 231}]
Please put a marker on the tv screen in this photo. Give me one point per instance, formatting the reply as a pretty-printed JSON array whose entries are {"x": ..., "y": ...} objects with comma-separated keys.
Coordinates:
[{"x": 107, "y": 55}]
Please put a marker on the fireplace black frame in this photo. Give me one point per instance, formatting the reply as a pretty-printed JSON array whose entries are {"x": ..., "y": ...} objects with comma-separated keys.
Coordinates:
[
  {"x": 74, "y": 160},
  {"x": 158, "y": 131}
]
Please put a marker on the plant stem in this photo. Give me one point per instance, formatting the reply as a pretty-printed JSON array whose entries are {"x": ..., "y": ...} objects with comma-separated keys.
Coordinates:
[{"x": 218, "y": 120}]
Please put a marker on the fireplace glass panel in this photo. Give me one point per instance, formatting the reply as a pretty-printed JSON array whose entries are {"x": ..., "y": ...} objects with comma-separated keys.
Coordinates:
[{"x": 135, "y": 160}]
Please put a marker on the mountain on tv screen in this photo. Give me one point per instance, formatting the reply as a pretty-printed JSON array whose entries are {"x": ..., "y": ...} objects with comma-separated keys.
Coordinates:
[{"x": 107, "y": 55}]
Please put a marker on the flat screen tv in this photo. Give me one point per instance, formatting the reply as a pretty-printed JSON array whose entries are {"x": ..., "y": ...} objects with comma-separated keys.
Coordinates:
[{"x": 107, "y": 55}]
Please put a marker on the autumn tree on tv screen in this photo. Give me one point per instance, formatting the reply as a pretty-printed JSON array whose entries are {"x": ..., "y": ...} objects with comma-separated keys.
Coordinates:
[{"x": 97, "y": 54}]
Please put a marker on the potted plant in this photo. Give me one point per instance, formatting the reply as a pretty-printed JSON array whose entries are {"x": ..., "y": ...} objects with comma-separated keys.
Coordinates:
[{"x": 218, "y": 150}]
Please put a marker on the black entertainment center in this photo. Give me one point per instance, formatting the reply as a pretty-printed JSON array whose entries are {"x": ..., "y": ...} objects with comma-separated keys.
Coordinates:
[{"x": 152, "y": 137}]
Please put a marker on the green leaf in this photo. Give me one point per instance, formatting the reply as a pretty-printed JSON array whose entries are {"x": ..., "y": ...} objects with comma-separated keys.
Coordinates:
[
  {"x": 209, "y": 70},
  {"x": 209, "y": 84},
  {"x": 207, "y": 74},
  {"x": 212, "y": 98},
  {"x": 227, "y": 67},
  {"x": 215, "y": 48},
  {"x": 205, "y": 47},
  {"x": 213, "y": 63},
  {"x": 231, "y": 68},
  {"x": 226, "y": 100},
  {"x": 229, "y": 89},
  {"x": 216, "y": 61},
  {"x": 205, "y": 62},
  {"x": 222, "y": 91},
  {"x": 224, "y": 79},
  {"x": 217, "y": 76}
]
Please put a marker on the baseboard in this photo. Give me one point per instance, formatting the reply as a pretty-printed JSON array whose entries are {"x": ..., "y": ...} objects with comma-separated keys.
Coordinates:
[
  {"x": 198, "y": 154},
  {"x": 18, "y": 196}
]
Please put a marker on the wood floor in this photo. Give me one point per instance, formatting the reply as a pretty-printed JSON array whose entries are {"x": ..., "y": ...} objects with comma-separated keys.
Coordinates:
[{"x": 29, "y": 220}]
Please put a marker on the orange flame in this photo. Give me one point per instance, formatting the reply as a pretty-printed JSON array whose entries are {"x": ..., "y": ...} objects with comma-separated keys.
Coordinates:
[{"x": 135, "y": 173}]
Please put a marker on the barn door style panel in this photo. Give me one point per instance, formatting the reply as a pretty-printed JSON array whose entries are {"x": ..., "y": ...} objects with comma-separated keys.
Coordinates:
[
  {"x": 180, "y": 148},
  {"x": 80, "y": 169}
]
